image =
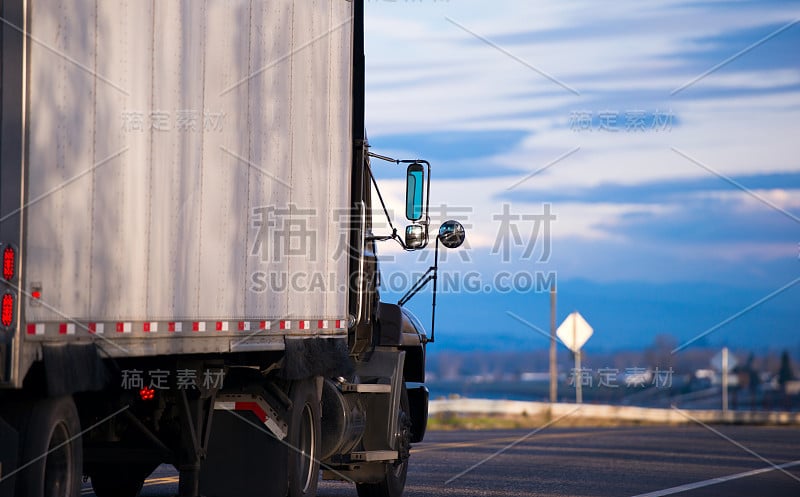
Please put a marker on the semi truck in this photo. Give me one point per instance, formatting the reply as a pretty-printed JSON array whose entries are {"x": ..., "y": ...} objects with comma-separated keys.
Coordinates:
[{"x": 189, "y": 262}]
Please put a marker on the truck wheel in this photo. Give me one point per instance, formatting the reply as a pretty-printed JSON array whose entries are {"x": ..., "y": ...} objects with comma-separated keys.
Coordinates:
[
  {"x": 394, "y": 479},
  {"x": 53, "y": 446},
  {"x": 119, "y": 480},
  {"x": 304, "y": 439}
]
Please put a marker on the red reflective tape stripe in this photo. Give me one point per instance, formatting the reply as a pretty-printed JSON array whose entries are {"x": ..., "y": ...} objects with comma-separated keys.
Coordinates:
[
  {"x": 252, "y": 407},
  {"x": 196, "y": 326}
]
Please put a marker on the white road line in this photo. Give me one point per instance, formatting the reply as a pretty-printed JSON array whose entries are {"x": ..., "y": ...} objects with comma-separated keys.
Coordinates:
[{"x": 716, "y": 481}]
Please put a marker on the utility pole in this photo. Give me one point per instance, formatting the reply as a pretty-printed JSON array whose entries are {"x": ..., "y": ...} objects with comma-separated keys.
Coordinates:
[
  {"x": 725, "y": 379},
  {"x": 553, "y": 354}
]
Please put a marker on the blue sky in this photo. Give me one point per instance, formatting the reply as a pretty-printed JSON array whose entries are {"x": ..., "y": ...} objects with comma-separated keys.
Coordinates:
[{"x": 664, "y": 173}]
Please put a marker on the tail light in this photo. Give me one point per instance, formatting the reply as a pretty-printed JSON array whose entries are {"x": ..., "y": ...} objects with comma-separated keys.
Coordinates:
[
  {"x": 147, "y": 393},
  {"x": 9, "y": 263},
  {"x": 7, "y": 314}
]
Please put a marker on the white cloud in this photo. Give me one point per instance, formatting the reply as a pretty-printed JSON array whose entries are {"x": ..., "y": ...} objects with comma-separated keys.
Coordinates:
[{"x": 426, "y": 75}]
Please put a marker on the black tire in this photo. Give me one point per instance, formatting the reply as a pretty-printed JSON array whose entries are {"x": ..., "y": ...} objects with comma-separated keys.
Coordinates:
[
  {"x": 52, "y": 447},
  {"x": 304, "y": 439},
  {"x": 394, "y": 478},
  {"x": 119, "y": 480}
]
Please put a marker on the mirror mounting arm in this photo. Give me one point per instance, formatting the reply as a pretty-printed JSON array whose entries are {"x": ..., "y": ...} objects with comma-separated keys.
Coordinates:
[
  {"x": 425, "y": 221},
  {"x": 383, "y": 238},
  {"x": 452, "y": 235},
  {"x": 433, "y": 301},
  {"x": 417, "y": 287},
  {"x": 383, "y": 157},
  {"x": 394, "y": 236},
  {"x": 429, "y": 275}
]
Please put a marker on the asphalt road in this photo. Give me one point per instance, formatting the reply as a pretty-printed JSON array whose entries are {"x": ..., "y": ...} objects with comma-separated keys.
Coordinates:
[{"x": 630, "y": 461}]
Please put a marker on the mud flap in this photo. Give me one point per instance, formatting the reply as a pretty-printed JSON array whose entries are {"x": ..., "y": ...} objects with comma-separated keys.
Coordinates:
[
  {"x": 418, "y": 405},
  {"x": 242, "y": 460}
]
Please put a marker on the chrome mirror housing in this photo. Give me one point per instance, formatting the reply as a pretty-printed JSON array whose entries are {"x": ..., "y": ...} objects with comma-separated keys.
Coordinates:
[{"x": 415, "y": 236}]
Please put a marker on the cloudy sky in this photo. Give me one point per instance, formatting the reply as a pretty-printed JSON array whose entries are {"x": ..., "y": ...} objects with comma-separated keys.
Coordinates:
[{"x": 663, "y": 136}]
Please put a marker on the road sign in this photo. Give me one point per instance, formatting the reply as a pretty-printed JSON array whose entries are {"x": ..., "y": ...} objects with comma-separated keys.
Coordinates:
[{"x": 574, "y": 331}]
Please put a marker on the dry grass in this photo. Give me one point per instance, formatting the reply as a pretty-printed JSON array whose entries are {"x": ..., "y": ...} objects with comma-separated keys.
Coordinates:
[{"x": 452, "y": 421}]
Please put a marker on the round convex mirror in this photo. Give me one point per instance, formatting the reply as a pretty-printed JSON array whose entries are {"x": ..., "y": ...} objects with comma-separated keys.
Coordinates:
[{"x": 452, "y": 234}]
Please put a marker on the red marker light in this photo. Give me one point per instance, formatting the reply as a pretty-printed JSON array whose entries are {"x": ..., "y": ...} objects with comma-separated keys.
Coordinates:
[
  {"x": 7, "y": 310},
  {"x": 36, "y": 294},
  {"x": 9, "y": 263},
  {"x": 147, "y": 393}
]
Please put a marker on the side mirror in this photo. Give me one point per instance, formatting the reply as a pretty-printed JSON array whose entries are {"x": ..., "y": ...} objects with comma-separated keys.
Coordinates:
[
  {"x": 415, "y": 236},
  {"x": 415, "y": 187},
  {"x": 451, "y": 234}
]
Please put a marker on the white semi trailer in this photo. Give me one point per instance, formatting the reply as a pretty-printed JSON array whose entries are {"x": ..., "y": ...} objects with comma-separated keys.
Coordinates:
[{"x": 189, "y": 270}]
